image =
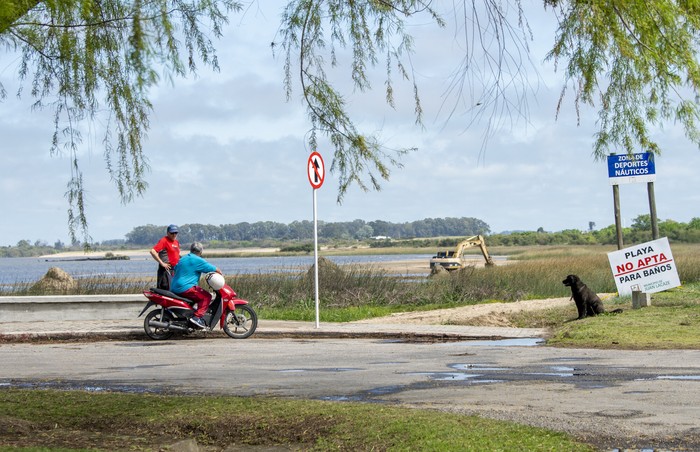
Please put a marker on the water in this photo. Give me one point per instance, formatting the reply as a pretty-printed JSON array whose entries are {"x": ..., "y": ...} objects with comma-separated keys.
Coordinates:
[
  {"x": 515, "y": 342},
  {"x": 29, "y": 269}
]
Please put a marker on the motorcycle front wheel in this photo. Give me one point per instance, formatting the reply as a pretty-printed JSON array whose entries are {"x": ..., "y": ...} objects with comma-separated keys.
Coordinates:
[
  {"x": 154, "y": 332},
  {"x": 241, "y": 323}
]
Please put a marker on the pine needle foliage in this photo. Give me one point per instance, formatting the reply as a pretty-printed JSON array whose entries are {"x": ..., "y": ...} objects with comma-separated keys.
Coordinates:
[
  {"x": 97, "y": 60},
  {"x": 636, "y": 61}
]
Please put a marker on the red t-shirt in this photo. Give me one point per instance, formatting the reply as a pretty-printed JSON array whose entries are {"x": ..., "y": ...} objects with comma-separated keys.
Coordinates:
[{"x": 171, "y": 247}]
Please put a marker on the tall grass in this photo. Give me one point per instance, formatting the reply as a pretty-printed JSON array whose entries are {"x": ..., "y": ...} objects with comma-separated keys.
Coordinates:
[
  {"x": 536, "y": 274},
  {"x": 357, "y": 291},
  {"x": 291, "y": 295},
  {"x": 91, "y": 285}
]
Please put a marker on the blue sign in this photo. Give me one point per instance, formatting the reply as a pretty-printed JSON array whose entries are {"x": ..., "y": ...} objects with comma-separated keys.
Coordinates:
[{"x": 631, "y": 168}]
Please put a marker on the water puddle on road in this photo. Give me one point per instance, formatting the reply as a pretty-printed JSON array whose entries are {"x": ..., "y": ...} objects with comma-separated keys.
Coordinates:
[
  {"x": 679, "y": 377},
  {"x": 89, "y": 386},
  {"x": 513, "y": 342},
  {"x": 320, "y": 369},
  {"x": 557, "y": 371},
  {"x": 456, "y": 376}
]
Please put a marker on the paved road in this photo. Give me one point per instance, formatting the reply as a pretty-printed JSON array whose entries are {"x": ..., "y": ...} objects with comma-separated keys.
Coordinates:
[{"x": 626, "y": 399}]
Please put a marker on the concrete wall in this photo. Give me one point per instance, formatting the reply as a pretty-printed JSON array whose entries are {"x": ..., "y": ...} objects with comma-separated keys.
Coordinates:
[{"x": 71, "y": 307}]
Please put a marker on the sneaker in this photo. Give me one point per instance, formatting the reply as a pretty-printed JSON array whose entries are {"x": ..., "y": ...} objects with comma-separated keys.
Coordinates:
[{"x": 198, "y": 322}]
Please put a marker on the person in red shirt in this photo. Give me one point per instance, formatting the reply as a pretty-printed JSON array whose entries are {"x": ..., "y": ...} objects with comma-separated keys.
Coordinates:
[{"x": 167, "y": 253}]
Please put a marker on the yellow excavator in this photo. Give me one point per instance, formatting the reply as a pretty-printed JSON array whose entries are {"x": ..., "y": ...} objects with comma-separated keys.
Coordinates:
[{"x": 454, "y": 260}]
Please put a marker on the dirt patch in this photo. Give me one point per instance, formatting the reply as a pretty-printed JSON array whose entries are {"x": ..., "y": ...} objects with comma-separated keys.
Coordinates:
[
  {"x": 422, "y": 267},
  {"x": 489, "y": 314}
]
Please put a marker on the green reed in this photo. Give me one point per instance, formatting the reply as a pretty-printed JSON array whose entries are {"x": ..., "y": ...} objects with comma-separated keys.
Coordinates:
[
  {"x": 92, "y": 285},
  {"x": 353, "y": 291}
]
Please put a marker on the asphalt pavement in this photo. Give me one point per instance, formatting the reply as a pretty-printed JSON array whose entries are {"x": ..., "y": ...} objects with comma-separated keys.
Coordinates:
[{"x": 133, "y": 328}]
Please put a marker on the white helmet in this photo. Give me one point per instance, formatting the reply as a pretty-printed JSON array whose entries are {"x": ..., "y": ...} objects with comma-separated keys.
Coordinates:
[{"x": 215, "y": 280}]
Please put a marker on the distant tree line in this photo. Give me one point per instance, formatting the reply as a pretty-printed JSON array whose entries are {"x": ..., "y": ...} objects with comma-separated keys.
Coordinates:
[
  {"x": 638, "y": 232},
  {"x": 430, "y": 232},
  {"x": 148, "y": 235}
]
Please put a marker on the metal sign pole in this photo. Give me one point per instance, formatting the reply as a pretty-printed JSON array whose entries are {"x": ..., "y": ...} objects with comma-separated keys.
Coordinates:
[
  {"x": 316, "y": 261},
  {"x": 316, "y": 170}
]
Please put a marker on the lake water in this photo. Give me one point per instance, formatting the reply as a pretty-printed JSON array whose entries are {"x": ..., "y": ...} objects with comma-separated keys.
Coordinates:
[{"x": 29, "y": 269}]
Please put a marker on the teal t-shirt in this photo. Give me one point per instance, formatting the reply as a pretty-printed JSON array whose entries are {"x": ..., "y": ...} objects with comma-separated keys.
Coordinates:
[{"x": 188, "y": 271}]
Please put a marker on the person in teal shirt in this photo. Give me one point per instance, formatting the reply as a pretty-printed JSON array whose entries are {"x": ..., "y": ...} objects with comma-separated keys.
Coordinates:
[{"x": 186, "y": 279}]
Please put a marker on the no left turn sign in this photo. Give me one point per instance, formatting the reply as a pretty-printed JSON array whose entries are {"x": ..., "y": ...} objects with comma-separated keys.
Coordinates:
[{"x": 316, "y": 170}]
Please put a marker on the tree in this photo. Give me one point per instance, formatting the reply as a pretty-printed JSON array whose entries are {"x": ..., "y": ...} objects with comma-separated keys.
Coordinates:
[
  {"x": 637, "y": 61},
  {"x": 82, "y": 57},
  {"x": 634, "y": 61},
  {"x": 642, "y": 223}
]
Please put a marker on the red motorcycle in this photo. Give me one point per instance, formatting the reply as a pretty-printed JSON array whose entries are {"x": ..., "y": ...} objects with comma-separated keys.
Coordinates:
[{"x": 233, "y": 314}]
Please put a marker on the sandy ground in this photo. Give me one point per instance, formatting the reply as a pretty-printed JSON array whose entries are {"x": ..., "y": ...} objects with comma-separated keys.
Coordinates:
[
  {"x": 412, "y": 267},
  {"x": 489, "y": 314}
]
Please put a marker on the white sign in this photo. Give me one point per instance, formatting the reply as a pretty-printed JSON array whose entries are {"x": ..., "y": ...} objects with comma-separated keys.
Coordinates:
[
  {"x": 630, "y": 169},
  {"x": 647, "y": 268}
]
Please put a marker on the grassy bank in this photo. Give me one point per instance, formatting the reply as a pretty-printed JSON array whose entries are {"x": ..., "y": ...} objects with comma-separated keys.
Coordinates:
[
  {"x": 75, "y": 420},
  {"x": 536, "y": 273},
  {"x": 672, "y": 322},
  {"x": 355, "y": 292}
]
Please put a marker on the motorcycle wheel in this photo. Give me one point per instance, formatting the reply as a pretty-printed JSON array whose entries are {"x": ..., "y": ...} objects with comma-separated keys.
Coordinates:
[
  {"x": 241, "y": 323},
  {"x": 155, "y": 332}
]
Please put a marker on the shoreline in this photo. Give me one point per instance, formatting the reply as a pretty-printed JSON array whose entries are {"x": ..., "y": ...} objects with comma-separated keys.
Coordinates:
[
  {"x": 145, "y": 252},
  {"x": 398, "y": 266}
]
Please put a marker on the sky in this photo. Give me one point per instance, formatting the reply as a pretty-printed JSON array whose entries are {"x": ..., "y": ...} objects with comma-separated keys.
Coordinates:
[{"x": 229, "y": 147}]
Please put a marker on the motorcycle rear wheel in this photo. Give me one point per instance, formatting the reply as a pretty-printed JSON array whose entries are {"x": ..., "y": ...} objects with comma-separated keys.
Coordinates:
[
  {"x": 154, "y": 332},
  {"x": 241, "y": 323}
]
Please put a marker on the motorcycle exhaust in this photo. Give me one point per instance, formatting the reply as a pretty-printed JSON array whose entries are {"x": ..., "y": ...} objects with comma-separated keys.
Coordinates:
[{"x": 166, "y": 325}]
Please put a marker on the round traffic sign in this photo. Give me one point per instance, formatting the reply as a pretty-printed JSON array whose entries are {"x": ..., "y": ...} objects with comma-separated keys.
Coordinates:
[{"x": 316, "y": 170}]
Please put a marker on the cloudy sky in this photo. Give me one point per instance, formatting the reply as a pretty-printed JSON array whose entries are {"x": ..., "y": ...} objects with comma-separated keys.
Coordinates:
[{"x": 228, "y": 147}]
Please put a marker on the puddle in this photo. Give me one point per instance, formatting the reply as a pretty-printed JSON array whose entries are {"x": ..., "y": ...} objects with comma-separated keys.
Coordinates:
[
  {"x": 557, "y": 371},
  {"x": 367, "y": 396},
  {"x": 447, "y": 376},
  {"x": 343, "y": 399},
  {"x": 454, "y": 376},
  {"x": 479, "y": 367},
  {"x": 518, "y": 342},
  {"x": 385, "y": 390},
  {"x": 142, "y": 366},
  {"x": 330, "y": 369},
  {"x": 650, "y": 449},
  {"x": 90, "y": 386},
  {"x": 679, "y": 377}
]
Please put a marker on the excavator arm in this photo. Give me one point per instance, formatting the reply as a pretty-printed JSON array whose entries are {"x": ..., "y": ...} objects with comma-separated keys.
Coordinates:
[{"x": 453, "y": 260}]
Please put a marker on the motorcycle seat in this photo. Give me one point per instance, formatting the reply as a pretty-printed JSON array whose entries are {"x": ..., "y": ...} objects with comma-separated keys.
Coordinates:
[{"x": 167, "y": 293}]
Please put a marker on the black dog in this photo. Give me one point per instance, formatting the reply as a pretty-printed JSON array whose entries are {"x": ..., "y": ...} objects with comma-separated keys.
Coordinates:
[{"x": 587, "y": 302}]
